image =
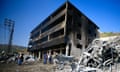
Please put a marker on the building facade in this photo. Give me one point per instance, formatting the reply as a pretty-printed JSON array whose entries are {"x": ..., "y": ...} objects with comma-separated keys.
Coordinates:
[{"x": 66, "y": 31}]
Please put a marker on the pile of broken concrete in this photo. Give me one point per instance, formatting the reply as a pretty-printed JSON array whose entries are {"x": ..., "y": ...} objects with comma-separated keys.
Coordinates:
[{"x": 101, "y": 53}]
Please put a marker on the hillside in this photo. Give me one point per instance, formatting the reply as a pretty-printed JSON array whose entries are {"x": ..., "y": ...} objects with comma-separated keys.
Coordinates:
[
  {"x": 108, "y": 34},
  {"x": 15, "y": 48}
]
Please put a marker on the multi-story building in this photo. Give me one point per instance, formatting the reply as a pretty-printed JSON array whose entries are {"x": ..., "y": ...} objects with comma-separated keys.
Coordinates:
[{"x": 66, "y": 31}]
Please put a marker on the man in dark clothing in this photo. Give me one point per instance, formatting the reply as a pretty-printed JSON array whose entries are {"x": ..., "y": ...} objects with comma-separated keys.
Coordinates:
[
  {"x": 45, "y": 58},
  {"x": 22, "y": 58}
]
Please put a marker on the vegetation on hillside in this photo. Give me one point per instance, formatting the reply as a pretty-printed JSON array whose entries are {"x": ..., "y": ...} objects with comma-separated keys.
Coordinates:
[
  {"x": 107, "y": 34},
  {"x": 15, "y": 48}
]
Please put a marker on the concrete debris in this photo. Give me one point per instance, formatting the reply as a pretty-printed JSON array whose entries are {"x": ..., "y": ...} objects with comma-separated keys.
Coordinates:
[
  {"x": 13, "y": 58},
  {"x": 28, "y": 59},
  {"x": 4, "y": 58},
  {"x": 63, "y": 60},
  {"x": 99, "y": 54}
]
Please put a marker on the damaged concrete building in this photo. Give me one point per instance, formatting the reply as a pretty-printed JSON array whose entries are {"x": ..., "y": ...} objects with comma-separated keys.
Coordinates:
[{"x": 66, "y": 31}]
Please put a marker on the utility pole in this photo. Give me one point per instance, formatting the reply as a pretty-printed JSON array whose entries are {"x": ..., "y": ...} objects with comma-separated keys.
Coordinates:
[{"x": 10, "y": 24}]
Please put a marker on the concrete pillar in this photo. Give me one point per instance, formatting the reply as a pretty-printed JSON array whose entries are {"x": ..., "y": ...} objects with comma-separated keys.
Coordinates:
[
  {"x": 48, "y": 37},
  {"x": 83, "y": 32},
  {"x": 60, "y": 51},
  {"x": 39, "y": 54},
  {"x": 67, "y": 48},
  {"x": 33, "y": 54},
  {"x": 49, "y": 51}
]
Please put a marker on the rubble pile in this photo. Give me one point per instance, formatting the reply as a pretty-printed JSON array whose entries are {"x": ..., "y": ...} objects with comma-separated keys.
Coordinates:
[{"x": 101, "y": 53}]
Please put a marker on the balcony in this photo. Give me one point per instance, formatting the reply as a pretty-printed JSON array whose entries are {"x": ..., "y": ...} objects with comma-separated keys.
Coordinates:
[
  {"x": 54, "y": 18},
  {"x": 55, "y": 41},
  {"x": 54, "y": 29}
]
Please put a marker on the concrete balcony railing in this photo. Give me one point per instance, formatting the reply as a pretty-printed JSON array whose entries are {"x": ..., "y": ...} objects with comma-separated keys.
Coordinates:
[
  {"x": 54, "y": 29},
  {"x": 54, "y": 41},
  {"x": 54, "y": 18}
]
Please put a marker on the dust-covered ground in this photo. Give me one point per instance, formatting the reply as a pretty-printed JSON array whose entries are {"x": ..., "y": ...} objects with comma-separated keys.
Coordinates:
[{"x": 33, "y": 67}]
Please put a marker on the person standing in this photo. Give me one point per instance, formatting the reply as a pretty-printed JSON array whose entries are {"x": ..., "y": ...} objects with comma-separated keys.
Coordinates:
[
  {"x": 55, "y": 60},
  {"x": 49, "y": 58},
  {"x": 45, "y": 57},
  {"x": 20, "y": 59}
]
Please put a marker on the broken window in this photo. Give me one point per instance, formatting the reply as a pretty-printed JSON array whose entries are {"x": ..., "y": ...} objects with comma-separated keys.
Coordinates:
[
  {"x": 89, "y": 31},
  {"x": 43, "y": 39},
  {"x": 79, "y": 46},
  {"x": 79, "y": 25},
  {"x": 35, "y": 35},
  {"x": 57, "y": 33},
  {"x": 79, "y": 36},
  {"x": 95, "y": 35},
  {"x": 53, "y": 24}
]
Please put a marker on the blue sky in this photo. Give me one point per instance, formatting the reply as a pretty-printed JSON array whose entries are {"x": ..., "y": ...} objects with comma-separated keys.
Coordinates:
[{"x": 27, "y": 14}]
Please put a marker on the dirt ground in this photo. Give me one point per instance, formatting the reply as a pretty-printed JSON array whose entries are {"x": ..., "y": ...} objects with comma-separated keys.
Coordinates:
[{"x": 34, "y": 67}]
